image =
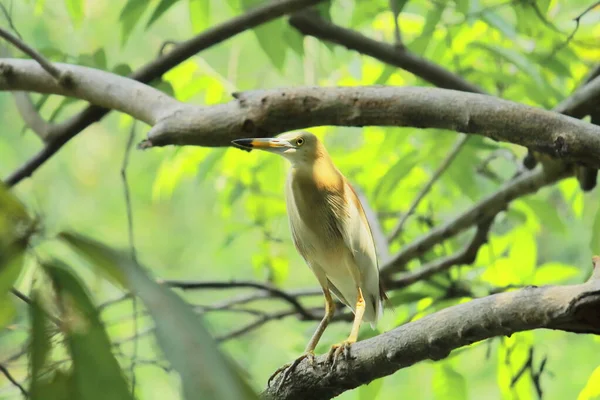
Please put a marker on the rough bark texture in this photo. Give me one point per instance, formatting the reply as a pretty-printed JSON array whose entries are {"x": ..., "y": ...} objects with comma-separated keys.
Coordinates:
[{"x": 573, "y": 308}]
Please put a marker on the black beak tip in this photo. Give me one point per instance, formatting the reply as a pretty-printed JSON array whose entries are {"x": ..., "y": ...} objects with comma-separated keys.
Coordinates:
[{"x": 243, "y": 144}]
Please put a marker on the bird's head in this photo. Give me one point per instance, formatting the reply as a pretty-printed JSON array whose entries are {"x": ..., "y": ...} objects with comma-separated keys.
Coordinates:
[{"x": 297, "y": 147}]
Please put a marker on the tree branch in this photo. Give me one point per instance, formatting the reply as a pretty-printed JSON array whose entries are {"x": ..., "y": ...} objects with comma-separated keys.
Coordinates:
[
  {"x": 190, "y": 285},
  {"x": 572, "y": 308},
  {"x": 309, "y": 23},
  {"x": 31, "y": 52},
  {"x": 458, "y": 145},
  {"x": 210, "y": 37},
  {"x": 466, "y": 256},
  {"x": 268, "y": 112},
  {"x": 527, "y": 183}
]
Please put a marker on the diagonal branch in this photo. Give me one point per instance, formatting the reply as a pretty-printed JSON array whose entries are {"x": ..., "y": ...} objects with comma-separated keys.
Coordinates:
[
  {"x": 572, "y": 308},
  {"x": 31, "y": 52},
  {"x": 155, "y": 69},
  {"x": 466, "y": 256},
  {"x": 458, "y": 145},
  {"x": 527, "y": 183},
  {"x": 309, "y": 23}
]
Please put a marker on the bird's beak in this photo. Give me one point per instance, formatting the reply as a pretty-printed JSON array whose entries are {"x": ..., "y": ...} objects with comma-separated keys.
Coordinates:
[{"x": 273, "y": 145}]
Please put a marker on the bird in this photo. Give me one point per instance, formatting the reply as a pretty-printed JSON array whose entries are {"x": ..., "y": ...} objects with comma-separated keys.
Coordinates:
[{"x": 331, "y": 232}]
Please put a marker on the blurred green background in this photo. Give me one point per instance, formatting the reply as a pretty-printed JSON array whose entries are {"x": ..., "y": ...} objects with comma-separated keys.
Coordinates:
[{"x": 219, "y": 214}]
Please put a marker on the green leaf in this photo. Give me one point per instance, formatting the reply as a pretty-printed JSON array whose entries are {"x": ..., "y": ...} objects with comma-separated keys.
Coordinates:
[
  {"x": 160, "y": 9},
  {"x": 591, "y": 391},
  {"x": 395, "y": 174},
  {"x": 8, "y": 311},
  {"x": 57, "y": 387},
  {"x": 370, "y": 390},
  {"x": 180, "y": 333},
  {"x": 595, "y": 241},
  {"x": 547, "y": 214},
  {"x": 100, "y": 61},
  {"x": 164, "y": 86},
  {"x": 96, "y": 255},
  {"x": 420, "y": 44},
  {"x": 122, "y": 69},
  {"x": 554, "y": 272},
  {"x": 40, "y": 346},
  {"x": 294, "y": 40},
  {"x": 404, "y": 297},
  {"x": 199, "y": 14},
  {"x": 448, "y": 384},
  {"x": 274, "y": 49},
  {"x": 75, "y": 9},
  {"x": 498, "y": 22},
  {"x": 130, "y": 15},
  {"x": 96, "y": 372}
]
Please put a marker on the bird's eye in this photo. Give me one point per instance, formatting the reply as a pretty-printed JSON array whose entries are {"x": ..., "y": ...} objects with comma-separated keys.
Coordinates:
[{"x": 299, "y": 141}]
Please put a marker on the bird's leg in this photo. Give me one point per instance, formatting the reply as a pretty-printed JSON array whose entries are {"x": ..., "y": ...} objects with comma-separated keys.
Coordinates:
[
  {"x": 344, "y": 347},
  {"x": 309, "y": 352}
]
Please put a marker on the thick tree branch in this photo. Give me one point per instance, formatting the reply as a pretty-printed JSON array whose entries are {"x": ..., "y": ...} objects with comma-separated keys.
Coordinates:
[
  {"x": 268, "y": 112},
  {"x": 155, "y": 69},
  {"x": 100, "y": 88},
  {"x": 572, "y": 308}
]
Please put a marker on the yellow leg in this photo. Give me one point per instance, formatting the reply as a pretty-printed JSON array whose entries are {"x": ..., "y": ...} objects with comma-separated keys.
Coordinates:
[
  {"x": 329, "y": 311},
  {"x": 309, "y": 352},
  {"x": 344, "y": 346}
]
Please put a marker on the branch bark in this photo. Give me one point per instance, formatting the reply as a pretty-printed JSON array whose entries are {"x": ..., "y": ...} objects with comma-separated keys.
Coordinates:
[
  {"x": 528, "y": 183},
  {"x": 269, "y": 112},
  {"x": 572, "y": 308},
  {"x": 65, "y": 131}
]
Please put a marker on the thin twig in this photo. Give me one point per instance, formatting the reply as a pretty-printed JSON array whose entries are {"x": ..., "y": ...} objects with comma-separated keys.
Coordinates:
[
  {"x": 465, "y": 256},
  {"x": 12, "y": 380},
  {"x": 436, "y": 175},
  {"x": 133, "y": 252},
  {"x": 31, "y": 52},
  {"x": 190, "y": 285}
]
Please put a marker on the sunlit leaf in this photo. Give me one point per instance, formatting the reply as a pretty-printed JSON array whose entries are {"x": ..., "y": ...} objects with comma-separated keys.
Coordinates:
[
  {"x": 182, "y": 336},
  {"x": 160, "y": 9},
  {"x": 419, "y": 45},
  {"x": 370, "y": 390},
  {"x": 447, "y": 383},
  {"x": 591, "y": 391},
  {"x": 75, "y": 9},
  {"x": 199, "y": 14},
  {"x": 553, "y": 273},
  {"x": 395, "y": 174},
  {"x": 96, "y": 372}
]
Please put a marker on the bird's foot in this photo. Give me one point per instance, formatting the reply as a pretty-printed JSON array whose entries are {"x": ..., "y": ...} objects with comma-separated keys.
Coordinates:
[
  {"x": 338, "y": 350},
  {"x": 287, "y": 369}
]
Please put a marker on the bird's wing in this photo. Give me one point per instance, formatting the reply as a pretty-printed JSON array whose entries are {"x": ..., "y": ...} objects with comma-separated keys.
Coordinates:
[{"x": 359, "y": 239}]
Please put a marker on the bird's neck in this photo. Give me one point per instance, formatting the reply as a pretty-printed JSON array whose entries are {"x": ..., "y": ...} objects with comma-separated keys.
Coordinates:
[{"x": 321, "y": 173}]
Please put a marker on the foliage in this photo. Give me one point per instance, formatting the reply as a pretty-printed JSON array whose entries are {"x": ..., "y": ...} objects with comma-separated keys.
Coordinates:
[{"x": 219, "y": 215}]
